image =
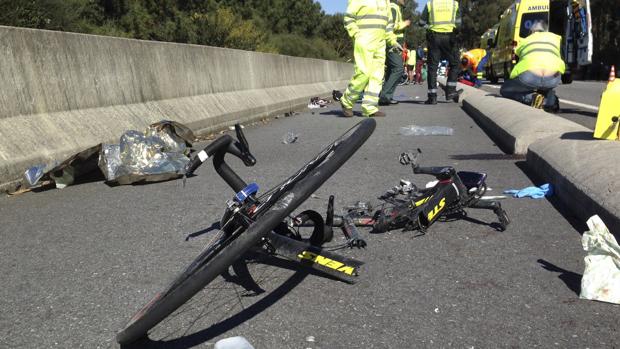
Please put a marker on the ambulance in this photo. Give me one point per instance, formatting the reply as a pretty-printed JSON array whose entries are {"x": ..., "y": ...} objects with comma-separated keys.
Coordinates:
[{"x": 567, "y": 18}]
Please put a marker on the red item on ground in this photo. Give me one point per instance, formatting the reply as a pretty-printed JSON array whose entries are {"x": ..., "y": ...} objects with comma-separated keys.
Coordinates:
[{"x": 465, "y": 82}]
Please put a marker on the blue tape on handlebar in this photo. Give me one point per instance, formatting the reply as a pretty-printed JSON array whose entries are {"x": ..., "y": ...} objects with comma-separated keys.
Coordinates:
[{"x": 251, "y": 189}]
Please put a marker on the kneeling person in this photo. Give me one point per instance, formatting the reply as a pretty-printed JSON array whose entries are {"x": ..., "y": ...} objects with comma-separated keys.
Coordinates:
[{"x": 540, "y": 68}]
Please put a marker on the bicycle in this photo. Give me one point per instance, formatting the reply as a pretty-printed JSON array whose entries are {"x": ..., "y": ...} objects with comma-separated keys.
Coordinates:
[
  {"x": 252, "y": 221},
  {"x": 410, "y": 208}
]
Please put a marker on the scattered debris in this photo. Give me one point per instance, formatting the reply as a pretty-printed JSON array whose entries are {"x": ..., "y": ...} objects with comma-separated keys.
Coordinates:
[
  {"x": 601, "y": 278},
  {"x": 159, "y": 153},
  {"x": 532, "y": 192},
  {"x": 316, "y": 103},
  {"x": 290, "y": 137},
  {"x": 414, "y": 130},
  {"x": 63, "y": 174},
  {"x": 233, "y": 343},
  {"x": 494, "y": 197}
]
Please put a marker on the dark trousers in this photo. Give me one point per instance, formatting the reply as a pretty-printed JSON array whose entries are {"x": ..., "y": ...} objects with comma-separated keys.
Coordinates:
[
  {"x": 523, "y": 87},
  {"x": 393, "y": 72},
  {"x": 442, "y": 46}
]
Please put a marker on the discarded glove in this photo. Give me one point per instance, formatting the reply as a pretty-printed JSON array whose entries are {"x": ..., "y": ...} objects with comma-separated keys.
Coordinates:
[
  {"x": 601, "y": 278},
  {"x": 532, "y": 192}
]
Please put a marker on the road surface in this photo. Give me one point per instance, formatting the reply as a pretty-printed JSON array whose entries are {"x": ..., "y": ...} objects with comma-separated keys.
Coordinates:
[{"x": 77, "y": 263}]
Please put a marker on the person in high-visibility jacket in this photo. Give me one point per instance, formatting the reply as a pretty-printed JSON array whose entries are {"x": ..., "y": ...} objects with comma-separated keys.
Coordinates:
[
  {"x": 539, "y": 69},
  {"x": 472, "y": 65},
  {"x": 394, "y": 61},
  {"x": 370, "y": 24},
  {"x": 442, "y": 18}
]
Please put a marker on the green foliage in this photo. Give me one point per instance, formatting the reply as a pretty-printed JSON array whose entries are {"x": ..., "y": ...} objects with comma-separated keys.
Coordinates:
[{"x": 298, "y": 45}]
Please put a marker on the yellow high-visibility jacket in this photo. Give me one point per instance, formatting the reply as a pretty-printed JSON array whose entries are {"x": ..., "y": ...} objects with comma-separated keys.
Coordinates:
[
  {"x": 474, "y": 57},
  {"x": 399, "y": 24},
  {"x": 539, "y": 51},
  {"x": 442, "y": 15},
  {"x": 370, "y": 22}
]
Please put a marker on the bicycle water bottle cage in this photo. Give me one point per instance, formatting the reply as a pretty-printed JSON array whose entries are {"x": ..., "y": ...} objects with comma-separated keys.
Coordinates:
[{"x": 251, "y": 189}]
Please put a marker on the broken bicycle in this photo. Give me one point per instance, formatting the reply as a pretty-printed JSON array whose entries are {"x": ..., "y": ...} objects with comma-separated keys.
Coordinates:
[
  {"x": 410, "y": 208},
  {"x": 255, "y": 222}
]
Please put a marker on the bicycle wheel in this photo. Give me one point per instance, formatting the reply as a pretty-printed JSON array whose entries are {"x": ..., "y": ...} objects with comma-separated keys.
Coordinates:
[{"x": 229, "y": 245}]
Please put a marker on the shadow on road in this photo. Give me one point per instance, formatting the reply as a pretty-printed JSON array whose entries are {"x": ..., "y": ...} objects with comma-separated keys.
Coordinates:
[
  {"x": 564, "y": 210},
  {"x": 488, "y": 156},
  {"x": 214, "y": 226},
  {"x": 578, "y": 111},
  {"x": 572, "y": 280},
  {"x": 579, "y": 136},
  {"x": 207, "y": 334}
]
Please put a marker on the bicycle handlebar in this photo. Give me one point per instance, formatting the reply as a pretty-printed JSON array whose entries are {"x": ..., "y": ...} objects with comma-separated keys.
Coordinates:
[{"x": 218, "y": 149}]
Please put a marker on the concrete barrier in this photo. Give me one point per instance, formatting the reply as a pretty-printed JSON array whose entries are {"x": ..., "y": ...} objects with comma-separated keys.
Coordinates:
[
  {"x": 64, "y": 92},
  {"x": 583, "y": 170}
]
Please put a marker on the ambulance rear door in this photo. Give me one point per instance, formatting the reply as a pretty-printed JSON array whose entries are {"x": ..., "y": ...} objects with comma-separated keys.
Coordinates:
[{"x": 578, "y": 41}]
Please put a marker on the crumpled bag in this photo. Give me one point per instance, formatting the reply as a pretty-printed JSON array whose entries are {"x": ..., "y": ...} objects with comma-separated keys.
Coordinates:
[
  {"x": 157, "y": 154},
  {"x": 601, "y": 278},
  {"x": 532, "y": 192}
]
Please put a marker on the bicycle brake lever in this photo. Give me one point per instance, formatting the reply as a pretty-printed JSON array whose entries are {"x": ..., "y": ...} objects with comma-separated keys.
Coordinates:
[{"x": 244, "y": 147}]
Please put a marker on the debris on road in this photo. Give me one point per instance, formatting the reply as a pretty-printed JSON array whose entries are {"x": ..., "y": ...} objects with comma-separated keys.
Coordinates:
[
  {"x": 601, "y": 278},
  {"x": 63, "y": 174},
  {"x": 233, "y": 343},
  {"x": 316, "y": 103},
  {"x": 544, "y": 190},
  {"x": 414, "y": 130},
  {"x": 290, "y": 137},
  {"x": 159, "y": 153}
]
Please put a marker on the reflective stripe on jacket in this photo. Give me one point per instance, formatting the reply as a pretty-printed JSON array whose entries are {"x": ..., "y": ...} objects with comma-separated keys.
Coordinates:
[
  {"x": 442, "y": 15},
  {"x": 370, "y": 20},
  {"x": 399, "y": 25},
  {"x": 539, "y": 51}
]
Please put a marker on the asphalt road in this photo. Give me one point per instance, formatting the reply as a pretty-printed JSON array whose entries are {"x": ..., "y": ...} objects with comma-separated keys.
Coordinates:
[
  {"x": 579, "y": 101},
  {"x": 77, "y": 263}
]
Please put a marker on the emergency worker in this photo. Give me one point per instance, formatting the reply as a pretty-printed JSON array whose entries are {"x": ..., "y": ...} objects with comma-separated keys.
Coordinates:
[
  {"x": 472, "y": 65},
  {"x": 394, "y": 62},
  {"x": 540, "y": 68},
  {"x": 441, "y": 18},
  {"x": 369, "y": 23}
]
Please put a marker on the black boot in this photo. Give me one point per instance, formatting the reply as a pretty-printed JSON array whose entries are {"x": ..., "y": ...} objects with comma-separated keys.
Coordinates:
[
  {"x": 432, "y": 99},
  {"x": 452, "y": 94}
]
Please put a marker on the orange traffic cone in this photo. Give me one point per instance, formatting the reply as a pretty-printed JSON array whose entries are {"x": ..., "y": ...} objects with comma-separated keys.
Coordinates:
[{"x": 612, "y": 74}]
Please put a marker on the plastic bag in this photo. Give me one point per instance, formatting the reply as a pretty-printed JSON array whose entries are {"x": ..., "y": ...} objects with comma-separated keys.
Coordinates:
[
  {"x": 414, "y": 130},
  {"x": 601, "y": 278}
]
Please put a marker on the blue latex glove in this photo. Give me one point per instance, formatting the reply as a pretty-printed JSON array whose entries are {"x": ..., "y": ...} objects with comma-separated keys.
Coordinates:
[{"x": 532, "y": 192}]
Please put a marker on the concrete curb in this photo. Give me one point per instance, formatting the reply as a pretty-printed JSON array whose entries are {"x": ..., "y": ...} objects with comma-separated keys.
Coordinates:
[
  {"x": 65, "y": 92},
  {"x": 583, "y": 170},
  {"x": 513, "y": 126}
]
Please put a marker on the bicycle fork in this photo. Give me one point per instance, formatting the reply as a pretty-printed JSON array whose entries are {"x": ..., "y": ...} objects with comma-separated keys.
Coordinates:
[{"x": 496, "y": 206}]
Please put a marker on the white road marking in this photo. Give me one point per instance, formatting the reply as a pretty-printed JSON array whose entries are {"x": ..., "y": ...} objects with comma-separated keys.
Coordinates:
[{"x": 576, "y": 104}]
